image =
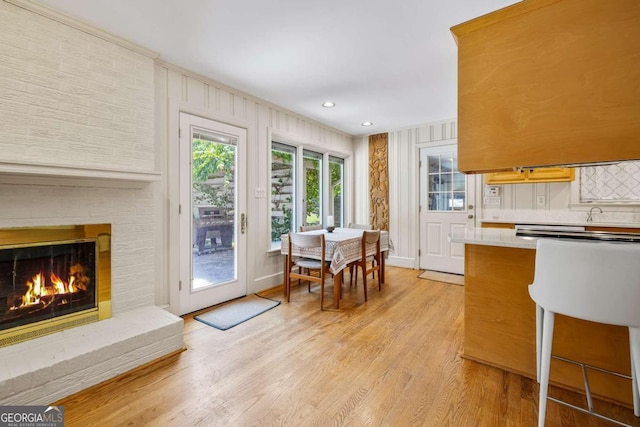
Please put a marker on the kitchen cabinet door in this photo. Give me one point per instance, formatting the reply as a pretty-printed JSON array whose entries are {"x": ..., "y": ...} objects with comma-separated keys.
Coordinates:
[
  {"x": 548, "y": 82},
  {"x": 531, "y": 176},
  {"x": 506, "y": 177},
  {"x": 551, "y": 174}
]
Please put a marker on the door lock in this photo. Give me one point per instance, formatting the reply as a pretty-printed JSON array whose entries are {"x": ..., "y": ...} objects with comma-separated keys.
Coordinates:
[{"x": 243, "y": 223}]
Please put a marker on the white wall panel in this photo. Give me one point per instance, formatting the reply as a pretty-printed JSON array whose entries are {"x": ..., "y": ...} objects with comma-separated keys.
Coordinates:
[
  {"x": 210, "y": 99},
  {"x": 403, "y": 184}
]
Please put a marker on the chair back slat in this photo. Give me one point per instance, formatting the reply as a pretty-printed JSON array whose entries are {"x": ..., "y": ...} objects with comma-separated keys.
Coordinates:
[
  {"x": 310, "y": 227},
  {"x": 306, "y": 240}
]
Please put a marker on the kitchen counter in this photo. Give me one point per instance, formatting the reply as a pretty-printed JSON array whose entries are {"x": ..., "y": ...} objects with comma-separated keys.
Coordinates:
[
  {"x": 492, "y": 237},
  {"x": 500, "y": 319}
]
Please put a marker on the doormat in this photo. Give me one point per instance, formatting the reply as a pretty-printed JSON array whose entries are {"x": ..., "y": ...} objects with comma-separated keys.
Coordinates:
[
  {"x": 233, "y": 313},
  {"x": 437, "y": 276}
]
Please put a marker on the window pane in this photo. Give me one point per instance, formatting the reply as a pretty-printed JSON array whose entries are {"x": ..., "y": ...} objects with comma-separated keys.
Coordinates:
[
  {"x": 434, "y": 164},
  {"x": 458, "y": 182},
  {"x": 457, "y": 202},
  {"x": 336, "y": 198},
  {"x": 282, "y": 189},
  {"x": 312, "y": 188},
  {"x": 446, "y": 186},
  {"x": 213, "y": 167}
]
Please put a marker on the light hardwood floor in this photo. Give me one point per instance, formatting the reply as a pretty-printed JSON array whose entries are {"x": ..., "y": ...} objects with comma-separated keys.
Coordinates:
[{"x": 394, "y": 361}]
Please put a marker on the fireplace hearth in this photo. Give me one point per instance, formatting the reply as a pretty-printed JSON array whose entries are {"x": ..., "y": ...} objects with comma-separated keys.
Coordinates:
[{"x": 53, "y": 278}]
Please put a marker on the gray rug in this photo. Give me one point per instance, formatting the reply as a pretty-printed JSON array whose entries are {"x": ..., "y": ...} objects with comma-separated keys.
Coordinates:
[
  {"x": 233, "y": 313},
  {"x": 437, "y": 276}
]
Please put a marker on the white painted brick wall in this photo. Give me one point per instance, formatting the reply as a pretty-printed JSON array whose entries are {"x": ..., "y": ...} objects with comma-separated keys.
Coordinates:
[
  {"x": 130, "y": 213},
  {"x": 70, "y": 98}
]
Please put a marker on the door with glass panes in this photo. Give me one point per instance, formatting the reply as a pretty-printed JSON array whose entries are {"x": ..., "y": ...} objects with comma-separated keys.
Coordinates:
[
  {"x": 446, "y": 205},
  {"x": 212, "y": 212}
]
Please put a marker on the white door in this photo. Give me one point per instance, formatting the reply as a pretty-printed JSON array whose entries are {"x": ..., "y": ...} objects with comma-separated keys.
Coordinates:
[
  {"x": 212, "y": 213},
  {"x": 446, "y": 204}
]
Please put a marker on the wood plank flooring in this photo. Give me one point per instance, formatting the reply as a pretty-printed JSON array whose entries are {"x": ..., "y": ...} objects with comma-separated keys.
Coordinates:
[{"x": 393, "y": 361}]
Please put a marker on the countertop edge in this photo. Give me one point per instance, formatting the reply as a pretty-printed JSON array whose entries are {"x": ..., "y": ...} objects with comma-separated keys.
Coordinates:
[{"x": 503, "y": 237}]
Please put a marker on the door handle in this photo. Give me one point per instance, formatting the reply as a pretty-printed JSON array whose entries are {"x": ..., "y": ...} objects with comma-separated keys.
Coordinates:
[
  {"x": 470, "y": 216},
  {"x": 243, "y": 223}
]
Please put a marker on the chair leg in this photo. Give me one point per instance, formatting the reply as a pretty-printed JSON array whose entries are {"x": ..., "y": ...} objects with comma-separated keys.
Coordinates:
[
  {"x": 321, "y": 291},
  {"x": 355, "y": 282},
  {"x": 364, "y": 279},
  {"x": 539, "y": 317},
  {"x": 547, "y": 341},
  {"x": 634, "y": 341},
  {"x": 288, "y": 288}
]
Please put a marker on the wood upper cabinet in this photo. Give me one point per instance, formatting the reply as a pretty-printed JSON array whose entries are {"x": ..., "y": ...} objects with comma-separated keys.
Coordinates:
[
  {"x": 549, "y": 82},
  {"x": 530, "y": 176}
]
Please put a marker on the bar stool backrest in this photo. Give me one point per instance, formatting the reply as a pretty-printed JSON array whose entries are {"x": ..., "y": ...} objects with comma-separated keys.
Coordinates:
[{"x": 590, "y": 280}]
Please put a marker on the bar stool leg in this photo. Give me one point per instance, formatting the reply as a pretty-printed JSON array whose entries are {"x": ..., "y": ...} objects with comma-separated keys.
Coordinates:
[
  {"x": 547, "y": 341},
  {"x": 539, "y": 317},
  {"x": 634, "y": 341}
]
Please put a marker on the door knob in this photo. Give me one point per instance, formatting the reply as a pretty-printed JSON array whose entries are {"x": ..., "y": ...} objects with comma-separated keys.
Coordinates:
[{"x": 470, "y": 216}]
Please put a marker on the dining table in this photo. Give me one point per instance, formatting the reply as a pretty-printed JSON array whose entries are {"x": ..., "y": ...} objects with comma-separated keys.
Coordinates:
[{"x": 342, "y": 247}]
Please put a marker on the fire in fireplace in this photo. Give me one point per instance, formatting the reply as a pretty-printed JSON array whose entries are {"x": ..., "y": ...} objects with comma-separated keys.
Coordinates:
[{"x": 52, "y": 278}]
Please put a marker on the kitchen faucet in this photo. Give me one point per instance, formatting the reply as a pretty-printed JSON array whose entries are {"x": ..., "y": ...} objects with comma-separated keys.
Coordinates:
[{"x": 590, "y": 214}]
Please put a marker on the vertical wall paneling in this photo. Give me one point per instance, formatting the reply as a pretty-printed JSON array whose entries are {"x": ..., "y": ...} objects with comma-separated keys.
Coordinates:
[
  {"x": 403, "y": 184},
  {"x": 210, "y": 99},
  {"x": 195, "y": 93}
]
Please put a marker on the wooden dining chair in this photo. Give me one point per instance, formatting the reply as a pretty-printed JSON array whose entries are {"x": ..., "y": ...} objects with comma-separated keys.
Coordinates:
[
  {"x": 321, "y": 265},
  {"x": 304, "y": 228},
  {"x": 352, "y": 266},
  {"x": 369, "y": 238}
]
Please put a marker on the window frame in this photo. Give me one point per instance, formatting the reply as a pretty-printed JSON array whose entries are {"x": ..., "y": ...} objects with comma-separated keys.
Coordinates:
[{"x": 325, "y": 204}]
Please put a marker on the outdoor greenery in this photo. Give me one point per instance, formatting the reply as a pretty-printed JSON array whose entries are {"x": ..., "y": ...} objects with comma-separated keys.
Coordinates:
[{"x": 213, "y": 171}]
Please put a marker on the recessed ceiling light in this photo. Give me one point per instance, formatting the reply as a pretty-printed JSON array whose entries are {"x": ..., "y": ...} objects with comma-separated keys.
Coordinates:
[
  {"x": 328, "y": 104},
  {"x": 366, "y": 123}
]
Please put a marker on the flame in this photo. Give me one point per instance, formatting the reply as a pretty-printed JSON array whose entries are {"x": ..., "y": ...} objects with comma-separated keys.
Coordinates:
[{"x": 38, "y": 290}]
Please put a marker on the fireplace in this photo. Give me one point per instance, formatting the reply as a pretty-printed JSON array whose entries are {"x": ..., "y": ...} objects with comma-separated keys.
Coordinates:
[{"x": 53, "y": 278}]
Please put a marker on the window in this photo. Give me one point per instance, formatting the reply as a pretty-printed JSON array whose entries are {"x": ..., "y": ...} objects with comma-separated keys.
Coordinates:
[
  {"x": 336, "y": 193},
  {"x": 283, "y": 168},
  {"x": 446, "y": 185},
  {"x": 611, "y": 183},
  {"x": 320, "y": 194},
  {"x": 312, "y": 190}
]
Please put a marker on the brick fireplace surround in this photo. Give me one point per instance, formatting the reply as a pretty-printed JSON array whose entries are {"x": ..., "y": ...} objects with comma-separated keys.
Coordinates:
[
  {"x": 43, "y": 370},
  {"x": 77, "y": 146}
]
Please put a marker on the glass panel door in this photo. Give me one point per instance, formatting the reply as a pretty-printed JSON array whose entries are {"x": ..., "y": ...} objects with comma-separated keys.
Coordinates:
[{"x": 212, "y": 219}]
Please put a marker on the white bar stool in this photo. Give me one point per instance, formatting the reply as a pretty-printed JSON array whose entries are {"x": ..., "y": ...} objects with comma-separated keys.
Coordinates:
[{"x": 595, "y": 281}]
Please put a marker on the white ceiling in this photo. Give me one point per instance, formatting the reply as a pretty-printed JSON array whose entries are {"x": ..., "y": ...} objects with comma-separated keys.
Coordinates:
[{"x": 391, "y": 62}]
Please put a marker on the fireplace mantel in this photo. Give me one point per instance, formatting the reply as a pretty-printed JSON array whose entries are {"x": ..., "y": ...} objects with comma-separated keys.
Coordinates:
[{"x": 42, "y": 174}]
